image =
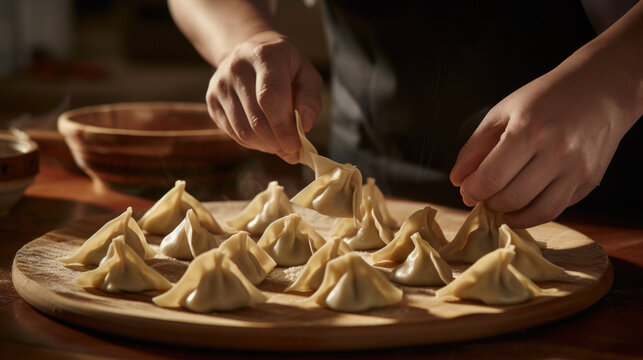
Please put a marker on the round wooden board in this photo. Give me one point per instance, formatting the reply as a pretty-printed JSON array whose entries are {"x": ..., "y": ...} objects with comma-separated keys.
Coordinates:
[{"x": 287, "y": 322}]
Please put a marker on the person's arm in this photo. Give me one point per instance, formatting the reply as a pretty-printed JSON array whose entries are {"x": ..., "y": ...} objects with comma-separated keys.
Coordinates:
[
  {"x": 260, "y": 78},
  {"x": 548, "y": 144}
]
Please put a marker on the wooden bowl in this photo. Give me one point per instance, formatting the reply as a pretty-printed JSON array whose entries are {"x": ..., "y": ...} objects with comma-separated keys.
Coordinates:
[
  {"x": 143, "y": 148},
  {"x": 18, "y": 168}
]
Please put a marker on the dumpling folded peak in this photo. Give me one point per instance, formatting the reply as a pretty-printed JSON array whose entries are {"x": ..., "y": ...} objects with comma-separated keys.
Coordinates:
[
  {"x": 312, "y": 275},
  {"x": 123, "y": 270},
  {"x": 94, "y": 249},
  {"x": 266, "y": 207},
  {"x": 251, "y": 259},
  {"x": 528, "y": 259},
  {"x": 290, "y": 240},
  {"x": 167, "y": 213},
  {"x": 189, "y": 239},
  {"x": 368, "y": 233},
  {"x": 423, "y": 266}
]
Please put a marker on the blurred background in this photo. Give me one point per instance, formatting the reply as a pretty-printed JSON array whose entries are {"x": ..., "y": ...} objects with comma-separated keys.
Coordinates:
[{"x": 57, "y": 55}]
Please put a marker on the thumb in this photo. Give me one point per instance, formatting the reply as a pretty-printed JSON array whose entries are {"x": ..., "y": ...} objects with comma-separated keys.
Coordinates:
[
  {"x": 307, "y": 90},
  {"x": 479, "y": 145}
]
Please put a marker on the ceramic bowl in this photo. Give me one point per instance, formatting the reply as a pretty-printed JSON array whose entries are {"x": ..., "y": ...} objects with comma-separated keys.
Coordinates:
[
  {"x": 143, "y": 148},
  {"x": 18, "y": 168}
]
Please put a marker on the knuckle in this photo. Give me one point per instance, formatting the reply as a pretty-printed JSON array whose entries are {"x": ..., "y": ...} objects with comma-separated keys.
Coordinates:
[
  {"x": 245, "y": 135},
  {"x": 268, "y": 97},
  {"x": 490, "y": 181},
  {"x": 237, "y": 66}
]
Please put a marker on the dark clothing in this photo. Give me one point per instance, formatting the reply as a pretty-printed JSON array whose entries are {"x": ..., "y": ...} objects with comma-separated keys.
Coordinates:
[{"x": 411, "y": 80}]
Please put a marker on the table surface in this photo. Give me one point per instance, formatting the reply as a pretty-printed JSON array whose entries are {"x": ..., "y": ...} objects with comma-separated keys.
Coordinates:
[{"x": 609, "y": 329}]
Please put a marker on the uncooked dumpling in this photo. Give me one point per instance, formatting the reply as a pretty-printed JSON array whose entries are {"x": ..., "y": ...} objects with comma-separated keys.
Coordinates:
[
  {"x": 422, "y": 222},
  {"x": 313, "y": 274},
  {"x": 94, "y": 249},
  {"x": 423, "y": 266},
  {"x": 477, "y": 236},
  {"x": 252, "y": 260},
  {"x": 169, "y": 211},
  {"x": 337, "y": 188},
  {"x": 528, "y": 260},
  {"x": 350, "y": 284},
  {"x": 212, "y": 282},
  {"x": 380, "y": 209},
  {"x": 123, "y": 270},
  {"x": 290, "y": 241},
  {"x": 494, "y": 281},
  {"x": 266, "y": 207},
  {"x": 368, "y": 233},
  {"x": 189, "y": 239}
]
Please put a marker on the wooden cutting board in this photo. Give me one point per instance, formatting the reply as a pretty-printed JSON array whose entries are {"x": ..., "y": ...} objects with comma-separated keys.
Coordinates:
[{"x": 287, "y": 322}]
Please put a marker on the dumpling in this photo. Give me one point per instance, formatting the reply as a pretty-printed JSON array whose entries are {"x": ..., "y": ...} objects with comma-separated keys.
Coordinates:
[
  {"x": 312, "y": 275},
  {"x": 337, "y": 188},
  {"x": 123, "y": 270},
  {"x": 94, "y": 249},
  {"x": 477, "y": 236},
  {"x": 350, "y": 284},
  {"x": 368, "y": 234},
  {"x": 189, "y": 239},
  {"x": 493, "y": 280},
  {"x": 422, "y": 222},
  {"x": 380, "y": 209},
  {"x": 423, "y": 266},
  {"x": 252, "y": 260},
  {"x": 167, "y": 213},
  {"x": 528, "y": 260},
  {"x": 212, "y": 282},
  {"x": 268, "y": 206},
  {"x": 290, "y": 241}
]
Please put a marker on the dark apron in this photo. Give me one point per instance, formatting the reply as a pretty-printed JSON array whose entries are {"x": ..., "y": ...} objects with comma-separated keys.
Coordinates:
[{"x": 411, "y": 80}]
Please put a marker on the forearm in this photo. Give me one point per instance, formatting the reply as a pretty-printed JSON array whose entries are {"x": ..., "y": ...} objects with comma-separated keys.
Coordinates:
[
  {"x": 616, "y": 56},
  {"x": 215, "y": 27}
]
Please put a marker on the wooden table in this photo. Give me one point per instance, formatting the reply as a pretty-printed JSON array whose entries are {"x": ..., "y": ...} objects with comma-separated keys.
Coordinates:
[{"x": 611, "y": 328}]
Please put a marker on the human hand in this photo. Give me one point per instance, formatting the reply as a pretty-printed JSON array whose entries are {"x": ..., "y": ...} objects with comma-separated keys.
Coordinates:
[
  {"x": 545, "y": 146},
  {"x": 253, "y": 92}
]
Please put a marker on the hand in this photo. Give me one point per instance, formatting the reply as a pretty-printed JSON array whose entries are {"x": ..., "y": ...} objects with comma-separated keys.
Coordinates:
[
  {"x": 545, "y": 146},
  {"x": 255, "y": 89}
]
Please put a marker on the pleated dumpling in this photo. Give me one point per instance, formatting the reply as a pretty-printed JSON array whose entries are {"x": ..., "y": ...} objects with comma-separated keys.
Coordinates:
[
  {"x": 477, "y": 236},
  {"x": 95, "y": 248},
  {"x": 313, "y": 274},
  {"x": 266, "y": 207},
  {"x": 350, "y": 284},
  {"x": 368, "y": 233},
  {"x": 423, "y": 266},
  {"x": 252, "y": 260},
  {"x": 422, "y": 222},
  {"x": 494, "y": 281},
  {"x": 528, "y": 259},
  {"x": 290, "y": 240},
  {"x": 337, "y": 188},
  {"x": 122, "y": 271},
  {"x": 189, "y": 239},
  {"x": 167, "y": 213},
  {"x": 380, "y": 209},
  {"x": 212, "y": 282}
]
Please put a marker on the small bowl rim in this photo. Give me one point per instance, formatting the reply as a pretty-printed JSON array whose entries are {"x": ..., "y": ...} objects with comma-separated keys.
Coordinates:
[
  {"x": 32, "y": 146},
  {"x": 67, "y": 126}
]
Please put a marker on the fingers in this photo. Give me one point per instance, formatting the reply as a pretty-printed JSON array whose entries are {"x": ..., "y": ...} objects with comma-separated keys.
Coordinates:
[
  {"x": 483, "y": 140},
  {"x": 545, "y": 207},
  {"x": 307, "y": 89},
  {"x": 499, "y": 167}
]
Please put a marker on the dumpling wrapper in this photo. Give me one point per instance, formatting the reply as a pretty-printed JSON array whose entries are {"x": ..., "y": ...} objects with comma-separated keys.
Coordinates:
[
  {"x": 423, "y": 266},
  {"x": 528, "y": 259},
  {"x": 167, "y": 213},
  {"x": 290, "y": 240},
  {"x": 252, "y": 260},
  {"x": 368, "y": 233},
  {"x": 494, "y": 281},
  {"x": 313, "y": 274},
  {"x": 123, "y": 270},
  {"x": 212, "y": 282},
  {"x": 266, "y": 207},
  {"x": 94, "y": 249},
  {"x": 350, "y": 284},
  {"x": 477, "y": 236},
  {"x": 337, "y": 188},
  {"x": 422, "y": 222},
  {"x": 189, "y": 239},
  {"x": 380, "y": 209}
]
